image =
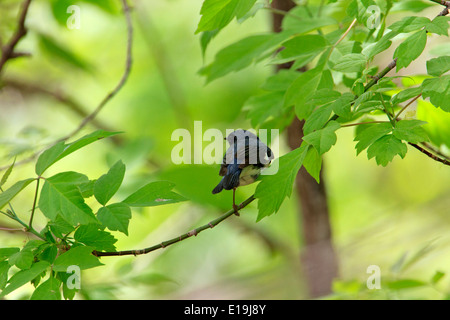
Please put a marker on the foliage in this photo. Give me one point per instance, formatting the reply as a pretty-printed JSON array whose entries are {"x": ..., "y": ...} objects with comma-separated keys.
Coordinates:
[
  {"x": 72, "y": 223},
  {"x": 332, "y": 84},
  {"x": 341, "y": 86}
]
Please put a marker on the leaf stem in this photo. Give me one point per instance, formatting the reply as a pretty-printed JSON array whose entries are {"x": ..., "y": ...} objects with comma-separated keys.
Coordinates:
[
  {"x": 409, "y": 103},
  {"x": 360, "y": 123},
  {"x": 34, "y": 202},
  {"x": 341, "y": 38}
]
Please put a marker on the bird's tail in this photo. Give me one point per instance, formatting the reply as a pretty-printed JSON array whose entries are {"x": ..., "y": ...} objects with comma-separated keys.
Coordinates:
[{"x": 218, "y": 188}]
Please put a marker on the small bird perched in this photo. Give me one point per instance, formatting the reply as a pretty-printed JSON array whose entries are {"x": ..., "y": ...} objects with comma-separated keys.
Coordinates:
[{"x": 242, "y": 162}]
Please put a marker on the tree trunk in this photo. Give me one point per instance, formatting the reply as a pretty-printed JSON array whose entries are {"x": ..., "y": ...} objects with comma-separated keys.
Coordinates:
[{"x": 318, "y": 258}]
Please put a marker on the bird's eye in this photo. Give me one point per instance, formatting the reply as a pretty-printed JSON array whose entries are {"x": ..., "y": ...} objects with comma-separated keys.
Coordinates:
[{"x": 224, "y": 138}]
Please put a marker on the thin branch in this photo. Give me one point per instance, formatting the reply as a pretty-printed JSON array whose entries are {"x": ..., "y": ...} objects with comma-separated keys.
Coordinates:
[
  {"x": 122, "y": 81},
  {"x": 345, "y": 33},
  {"x": 182, "y": 237},
  {"x": 429, "y": 154},
  {"x": 434, "y": 150},
  {"x": 404, "y": 108},
  {"x": 381, "y": 74},
  {"x": 393, "y": 63},
  {"x": 21, "y": 31},
  {"x": 341, "y": 38},
  {"x": 34, "y": 203},
  {"x": 105, "y": 100}
]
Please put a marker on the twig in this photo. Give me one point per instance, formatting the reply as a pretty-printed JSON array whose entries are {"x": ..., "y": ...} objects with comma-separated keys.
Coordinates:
[
  {"x": 393, "y": 63},
  {"x": 34, "y": 203},
  {"x": 345, "y": 33},
  {"x": 429, "y": 154},
  {"x": 107, "y": 98},
  {"x": 182, "y": 237},
  {"x": 445, "y": 11},
  {"x": 123, "y": 79},
  {"x": 404, "y": 108},
  {"x": 21, "y": 31},
  {"x": 381, "y": 74}
]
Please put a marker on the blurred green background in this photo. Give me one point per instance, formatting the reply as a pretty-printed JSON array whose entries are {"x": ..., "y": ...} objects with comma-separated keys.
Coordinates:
[{"x": 395, "y": 217}]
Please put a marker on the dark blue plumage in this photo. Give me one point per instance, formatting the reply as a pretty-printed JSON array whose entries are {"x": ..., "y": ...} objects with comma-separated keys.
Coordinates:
[{"x": 243, "y": 161}]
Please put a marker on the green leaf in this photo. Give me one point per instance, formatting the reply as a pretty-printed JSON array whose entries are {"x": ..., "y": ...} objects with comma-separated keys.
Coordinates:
[
  {"x": 7, "y": 252},
  {"x": 57, "y": 50},
  {"x": 411, "y": 131},
  {"x": 322, "y": 140},
  {"x": 405, "y": 284},
  {"x": 79, "y": 256},
  {"x": 6, "y": 174},
  {"x": 4, "y": 268},
  {"x": 438, "y": 90},
  {"x": 216, "y": 14},
  {"x": 87, "y": 188},
  {"x": 385, "y": 149},
  {"x": 61, "y": 195},
  {"x": 91, "y": 236},
  {"x": 49, "y": 253},
  {"x": 7, "y": 195},
  {"x": 313, "y": 163},
  {"x": 25, "y": 257},
  {"x": 280, "y": 81},
  {"x": 273, "y": 189},
  {"x": 206, "y": 38},
  {"x": 24, "y": 276},
  {"x": 352, "y": 62},
  {"x": 317, "y": 119},
  {"x": 359, "y": 9},
  {"x": 438, "y": 122},
  {"x": 115, "y": 217},
  {"x": 369, "y": 133},
  {"x": 60, "y": 227},
  {"x": 406, "y": 95},
  {"x": 409, "y": 24},
  {"x": 243, "y": 53},
  {"x": 411, "y": 5},
  {"x": 410, "y": 49},
  {"x": 48, "y": 290},
  {"x": 438, "y": 275},
  {"x": 439, "y": 25},
  {"x": 438, "y": 66},
  {"x": 61, "y": 150},
  {"x": 154, "y": 194},
  {"x": 342, "y": 105},
  {"x": 303, "y": 87},
  {"x": 108, "y": 184},
  {"x": 300, "y": 46},
  {"x": 299, "y": 21},
  {"x": 264, "y": 106},
  {"x": 381, "y": 45}
]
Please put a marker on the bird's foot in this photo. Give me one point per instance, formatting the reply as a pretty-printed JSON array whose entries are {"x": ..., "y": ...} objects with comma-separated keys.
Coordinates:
[{"x": 236, "y": 210}]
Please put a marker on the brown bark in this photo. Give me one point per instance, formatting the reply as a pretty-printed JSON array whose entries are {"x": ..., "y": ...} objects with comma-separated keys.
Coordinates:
[{"x": 318, "y": 258}]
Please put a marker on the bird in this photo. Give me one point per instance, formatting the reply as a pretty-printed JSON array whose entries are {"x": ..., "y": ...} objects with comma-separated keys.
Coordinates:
[{"x": 242, "y": 162}]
